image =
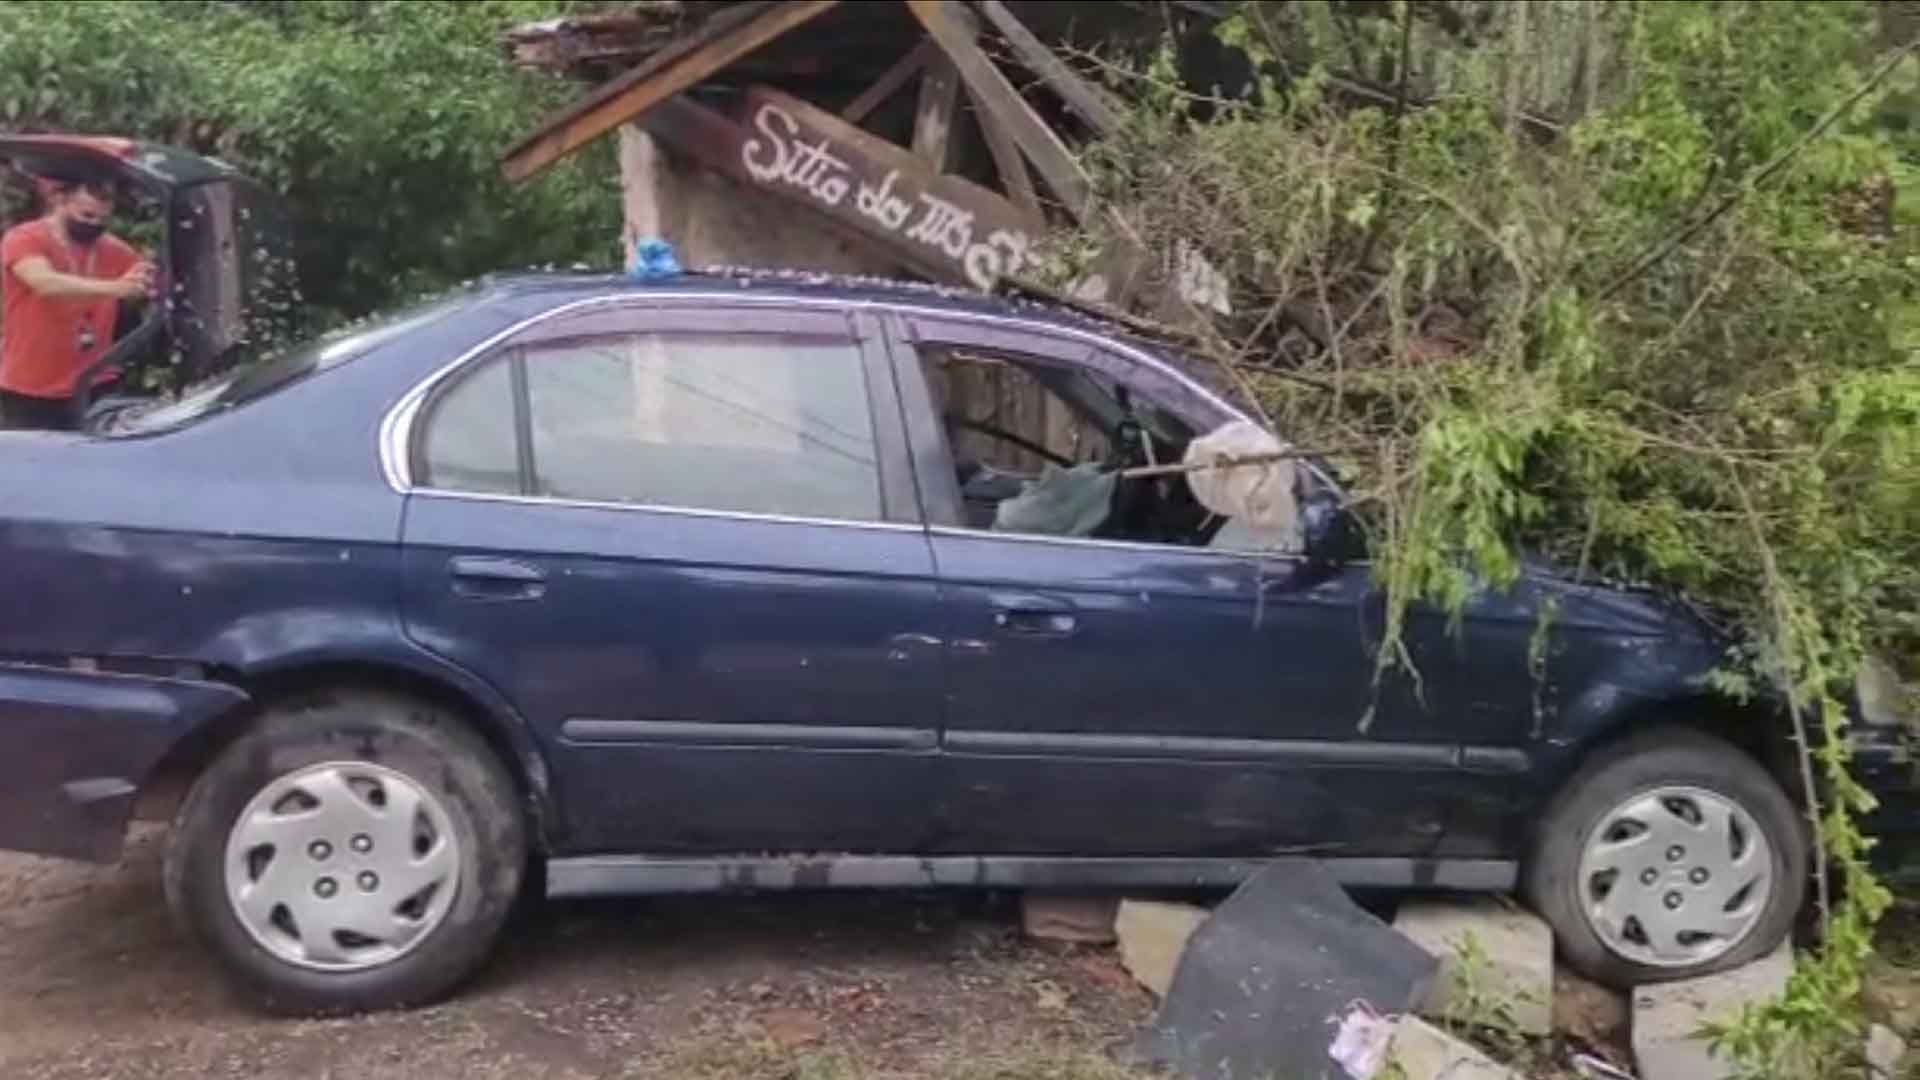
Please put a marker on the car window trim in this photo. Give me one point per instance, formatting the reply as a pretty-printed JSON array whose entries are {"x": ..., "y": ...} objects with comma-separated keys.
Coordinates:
[
  {"x": 899, "y": 485},
  {"x": 516, "y": 359},
  {"x": 659, "y": 508},
  {"x": 1236, "y": 554}
]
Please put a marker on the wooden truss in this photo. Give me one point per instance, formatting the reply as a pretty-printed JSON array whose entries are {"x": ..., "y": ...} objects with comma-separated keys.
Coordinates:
[{"x": 901, "y": 198}]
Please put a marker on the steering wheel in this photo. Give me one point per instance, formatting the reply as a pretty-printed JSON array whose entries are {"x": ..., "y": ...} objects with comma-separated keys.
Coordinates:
[{"x": 1004, "y": 435}]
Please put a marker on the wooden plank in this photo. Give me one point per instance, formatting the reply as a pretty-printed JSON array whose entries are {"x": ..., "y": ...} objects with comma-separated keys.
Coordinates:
[
  {"x": 948, "y": 228},
  {"x": 933, "y": 117},
  {"x": 992, "y": 90},
  {"x": 888, "y": 83},
  {"x": 1090, "y": 102},
  {"x": 725, "y": 38},
  {"x": 1008, "y": 162}
]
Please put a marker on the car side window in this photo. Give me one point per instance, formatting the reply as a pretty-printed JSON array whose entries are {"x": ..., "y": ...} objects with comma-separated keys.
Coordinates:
[
  {"x": 755, "y": 423},
  {"x": 1047, "y": 448},
  {"x": 469, "y": 443}
]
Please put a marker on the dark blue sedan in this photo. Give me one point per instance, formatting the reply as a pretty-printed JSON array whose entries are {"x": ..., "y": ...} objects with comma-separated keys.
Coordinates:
[{"x": 712, "y": 583}]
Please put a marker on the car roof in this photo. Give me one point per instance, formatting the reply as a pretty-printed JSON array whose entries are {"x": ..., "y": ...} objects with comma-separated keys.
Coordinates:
[{"x": 807, "y": 284}]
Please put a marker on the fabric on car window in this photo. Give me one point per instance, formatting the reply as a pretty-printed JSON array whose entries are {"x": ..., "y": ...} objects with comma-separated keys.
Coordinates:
[
  {"x": 1062, "y": 502},
  {"x": 1260, "y": 500}
]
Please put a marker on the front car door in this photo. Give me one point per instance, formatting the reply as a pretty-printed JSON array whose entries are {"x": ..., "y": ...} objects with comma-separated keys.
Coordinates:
[
  {"x": 1145, "y": 693},
  {"x": 684, "y": 541}
]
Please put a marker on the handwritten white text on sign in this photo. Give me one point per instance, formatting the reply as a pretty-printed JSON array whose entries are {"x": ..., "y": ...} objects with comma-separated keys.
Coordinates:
[{"x": 780, "y": 154}]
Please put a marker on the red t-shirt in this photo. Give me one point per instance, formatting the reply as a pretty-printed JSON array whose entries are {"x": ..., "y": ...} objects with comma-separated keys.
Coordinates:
[{"x": 46, "y": 342}]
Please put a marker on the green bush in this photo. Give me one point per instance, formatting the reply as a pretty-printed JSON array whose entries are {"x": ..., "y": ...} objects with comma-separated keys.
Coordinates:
[{"x": 1457, "y": 306}]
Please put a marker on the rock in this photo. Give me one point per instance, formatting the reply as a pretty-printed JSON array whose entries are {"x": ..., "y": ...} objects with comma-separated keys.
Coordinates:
[
  {"x": 1063, "y": 917},
  {"x": 1515, "y": 972},
  {"x": 1668, "y": 1016},
  {"x": 1424, "y": 1052},
  {"x": 1884, "y": 1051},
  {"x": 1152, "y": 936}
]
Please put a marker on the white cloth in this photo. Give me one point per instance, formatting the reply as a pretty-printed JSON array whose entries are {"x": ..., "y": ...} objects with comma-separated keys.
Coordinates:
[{"x": 1260, "y": 499}]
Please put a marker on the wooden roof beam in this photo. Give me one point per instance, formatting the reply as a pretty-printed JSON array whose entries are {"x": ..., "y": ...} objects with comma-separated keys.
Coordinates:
[
  {"x": 1009, "y": 164},
  {"x": 1090, "y": 102},
  {"x": 725, "y": 38},
  {"x": 934, "y": 115},
  {"x": 946, "y": 24},
  {"x": 889, "y": 83}
]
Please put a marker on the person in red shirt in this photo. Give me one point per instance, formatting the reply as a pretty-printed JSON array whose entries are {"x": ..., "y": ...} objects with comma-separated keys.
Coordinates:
[{"x": 62, "y": 278}]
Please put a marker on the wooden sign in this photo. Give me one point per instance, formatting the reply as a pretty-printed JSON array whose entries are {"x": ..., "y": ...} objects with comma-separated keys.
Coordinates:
[{"x": 946, "y": 226}]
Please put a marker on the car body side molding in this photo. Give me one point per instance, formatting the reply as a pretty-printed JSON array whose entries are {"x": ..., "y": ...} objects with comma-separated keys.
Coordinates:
[
  {"x": 588, "y": 731},
  {"x": 621, "y": 875},
  {"x": 1331, "y": 752}
]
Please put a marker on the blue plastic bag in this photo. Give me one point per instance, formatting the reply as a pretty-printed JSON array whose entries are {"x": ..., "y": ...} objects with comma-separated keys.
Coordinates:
[{"x": 652, "y": 260}]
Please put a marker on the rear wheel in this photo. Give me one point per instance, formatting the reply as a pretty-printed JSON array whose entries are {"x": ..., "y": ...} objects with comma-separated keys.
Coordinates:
[
  {"x": 354, "y": 851},
  {"x": 1670, "y": 855}
]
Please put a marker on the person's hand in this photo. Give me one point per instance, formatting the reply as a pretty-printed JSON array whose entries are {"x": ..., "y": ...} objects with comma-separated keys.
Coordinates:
[{"x": 135, "y": 283}]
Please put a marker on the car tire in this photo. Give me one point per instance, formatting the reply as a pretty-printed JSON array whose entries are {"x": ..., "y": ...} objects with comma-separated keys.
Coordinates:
[
  {"x": 1678, "y": 774},
  {"x": 385, "y": 823}
]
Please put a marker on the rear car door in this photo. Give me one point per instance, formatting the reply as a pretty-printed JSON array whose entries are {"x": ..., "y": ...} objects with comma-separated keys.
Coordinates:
[
  {"x": 683, "y": 540},
  {"x": 1136, "y": 694}
]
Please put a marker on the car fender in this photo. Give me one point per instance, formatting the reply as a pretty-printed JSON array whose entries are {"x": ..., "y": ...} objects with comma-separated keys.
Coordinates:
[
  {"x": 76, "y": 745},
  {"x": 272, "y": 653}
]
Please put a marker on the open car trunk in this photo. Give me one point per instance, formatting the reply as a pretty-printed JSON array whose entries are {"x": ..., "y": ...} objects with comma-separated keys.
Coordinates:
[{"x": 226, "y": 285}]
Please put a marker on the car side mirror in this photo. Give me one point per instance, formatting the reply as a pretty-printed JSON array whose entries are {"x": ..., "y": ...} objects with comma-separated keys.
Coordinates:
[{"x": 1329, "y": 532}]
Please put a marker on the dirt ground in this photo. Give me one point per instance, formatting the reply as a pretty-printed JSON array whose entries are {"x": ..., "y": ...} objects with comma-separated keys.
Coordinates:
[{"x": 96, "y": 984}]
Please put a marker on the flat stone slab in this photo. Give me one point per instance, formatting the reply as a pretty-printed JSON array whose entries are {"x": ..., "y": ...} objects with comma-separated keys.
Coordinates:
[
  {"x": 1152, "y": 936},
  {"x": 1514, "y": 952},
  {"x": 1268, "y": 981},
  {"x": 1667, "y": 1016},
  {"x": 1885, "y": 1048},
  {"x": 1424, "y": 1052}
]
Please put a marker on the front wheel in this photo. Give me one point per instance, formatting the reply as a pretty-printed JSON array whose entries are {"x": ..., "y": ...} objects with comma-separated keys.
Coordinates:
[
  {"x": 354, "y": 851},
  {"x": 1670, "y": 855}
]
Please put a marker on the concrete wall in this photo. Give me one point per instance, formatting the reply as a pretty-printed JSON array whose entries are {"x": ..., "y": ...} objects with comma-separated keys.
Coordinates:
[{"x": 710, "y": 220}]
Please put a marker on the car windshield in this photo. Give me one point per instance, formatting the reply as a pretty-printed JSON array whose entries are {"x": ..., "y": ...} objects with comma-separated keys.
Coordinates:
[{"x": 251, "y": 382}]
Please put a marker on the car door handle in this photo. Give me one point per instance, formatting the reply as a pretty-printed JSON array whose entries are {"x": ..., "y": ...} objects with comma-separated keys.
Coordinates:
[
  {"x": 486, "y": 578},
  {"x": 1035, "y": 616}
]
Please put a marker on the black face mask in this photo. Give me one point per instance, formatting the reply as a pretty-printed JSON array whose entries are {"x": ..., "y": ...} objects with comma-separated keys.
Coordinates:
[{"x": 85, "y": 232}]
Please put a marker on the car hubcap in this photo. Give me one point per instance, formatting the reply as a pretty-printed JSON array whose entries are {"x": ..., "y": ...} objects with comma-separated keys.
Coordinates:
[
  {"x": 1674, "y": 876},
  {"x": 342, "y": 866}
]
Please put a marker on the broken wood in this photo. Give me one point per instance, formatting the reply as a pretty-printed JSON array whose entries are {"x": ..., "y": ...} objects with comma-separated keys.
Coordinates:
[
  {"x": 563, "y": 45},
  {"x": 947, "y": 227},
  {"x": 728, "y": 36},
  {"x": 933, "y": 117},
  {"x": 991, "y": 90},
  {"x": 1087, "y": 100},
  {"x": 888, "y": 83}
]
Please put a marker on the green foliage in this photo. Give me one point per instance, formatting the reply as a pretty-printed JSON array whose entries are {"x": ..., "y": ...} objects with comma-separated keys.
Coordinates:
[
  {"x": 380, "y": 122},
  {"x": 1438, "y": 299}
]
